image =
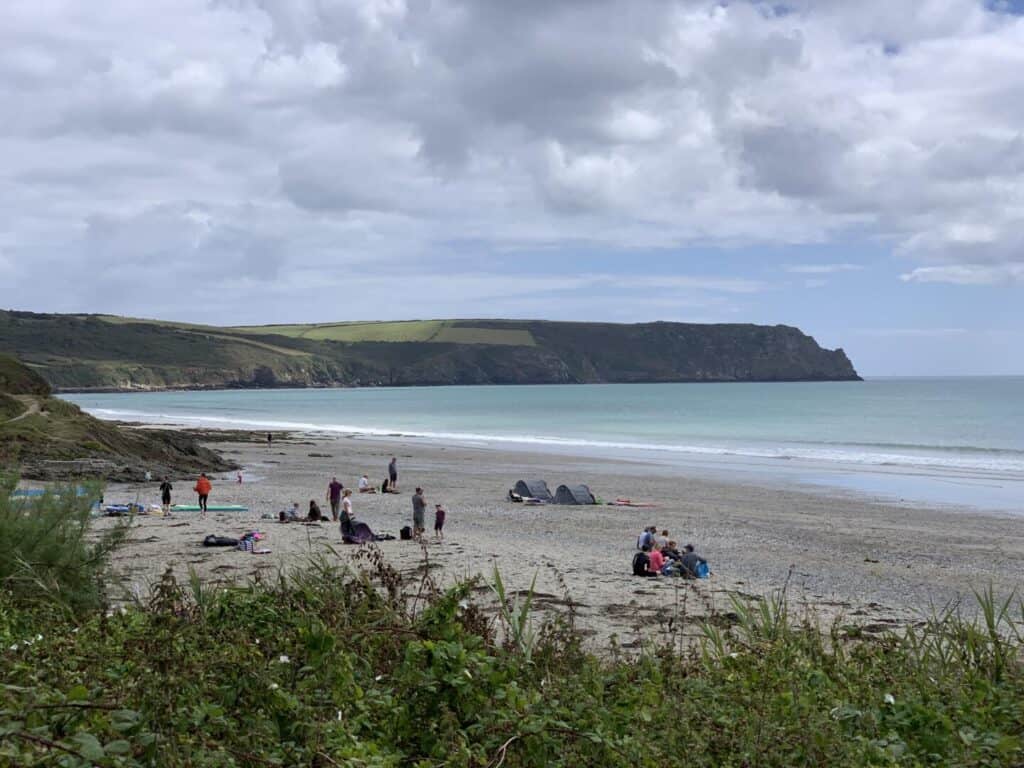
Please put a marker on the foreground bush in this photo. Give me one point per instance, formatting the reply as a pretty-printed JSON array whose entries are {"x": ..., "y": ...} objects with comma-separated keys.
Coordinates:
[
  {"x": 335, "y": 668},
  {"x": 46, "y": 553}
]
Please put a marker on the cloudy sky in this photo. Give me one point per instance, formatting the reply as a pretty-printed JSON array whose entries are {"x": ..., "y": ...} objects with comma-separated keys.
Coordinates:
[{"x": 853, "y": 168}]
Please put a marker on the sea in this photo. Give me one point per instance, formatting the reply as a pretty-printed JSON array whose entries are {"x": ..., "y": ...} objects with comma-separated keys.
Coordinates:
[{"x": 936, "y": 441}]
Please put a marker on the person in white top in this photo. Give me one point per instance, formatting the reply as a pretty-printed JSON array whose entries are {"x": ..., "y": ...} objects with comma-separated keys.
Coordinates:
[
  {"x": 346, "y": 512},
  {"x": 364, "y": 485}
]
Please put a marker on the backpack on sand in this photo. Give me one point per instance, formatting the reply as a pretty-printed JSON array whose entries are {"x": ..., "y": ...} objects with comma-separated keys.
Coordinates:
[{"x": 405, "y": 534}]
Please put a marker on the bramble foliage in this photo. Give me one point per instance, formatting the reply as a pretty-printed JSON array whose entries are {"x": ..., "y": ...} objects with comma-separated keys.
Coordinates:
[
  {"x": 333, "y": 667},
  {"x": 48, "y": 555}
]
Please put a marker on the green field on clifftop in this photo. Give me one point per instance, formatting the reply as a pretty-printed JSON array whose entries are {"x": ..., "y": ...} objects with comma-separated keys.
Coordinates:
[{"x": 435, "y": 331}]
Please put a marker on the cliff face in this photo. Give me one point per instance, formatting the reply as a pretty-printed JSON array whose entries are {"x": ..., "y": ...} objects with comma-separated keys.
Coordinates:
[{"x": 90, "y": 352}]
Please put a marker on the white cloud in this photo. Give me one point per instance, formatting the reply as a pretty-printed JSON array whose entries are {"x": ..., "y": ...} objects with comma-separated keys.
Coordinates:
[
  {"x": 910, "y": 332},
  {"x": 821, "y": 269},
  {"x": 326, "y": 137},
  {"x": 967, "y": 274}
]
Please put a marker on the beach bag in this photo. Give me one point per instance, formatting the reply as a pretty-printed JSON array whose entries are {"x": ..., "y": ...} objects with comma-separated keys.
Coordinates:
[
  {"x": 703, "y": 571},
  {"x": 219, "y": 541},
  {"x": 405, "y": 534}
]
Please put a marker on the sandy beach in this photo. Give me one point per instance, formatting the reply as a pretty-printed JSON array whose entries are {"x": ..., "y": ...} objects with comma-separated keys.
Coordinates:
[{"x": 850, "y": 557}]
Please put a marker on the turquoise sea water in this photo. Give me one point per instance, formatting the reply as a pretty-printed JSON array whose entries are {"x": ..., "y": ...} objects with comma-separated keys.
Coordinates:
[{"x": 959, "y": 440}]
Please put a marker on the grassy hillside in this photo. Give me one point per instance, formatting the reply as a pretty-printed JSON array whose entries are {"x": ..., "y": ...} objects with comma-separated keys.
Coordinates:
[
  {"x": 46, "y": 438},
  {"x": 17, "y": 379},
  {"x": 105, "y": 352}
]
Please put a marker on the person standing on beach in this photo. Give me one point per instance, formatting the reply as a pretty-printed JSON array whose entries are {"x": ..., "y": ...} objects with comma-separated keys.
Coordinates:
[
  {"x": 419, "y": 508},
  {"x": 203, "y": 488},
  {"x": 334, "y": 490},
  {"x": 439, "y": 516},
  {"x": 165, "y": 495},
  {"x": 270, "y": 439},
  {"x": 393, "y": 473}
]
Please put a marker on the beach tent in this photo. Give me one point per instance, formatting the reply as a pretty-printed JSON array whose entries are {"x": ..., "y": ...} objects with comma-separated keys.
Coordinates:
[
  {"x": 534, "y": 489},
  {"x": 574, "y": 494}
]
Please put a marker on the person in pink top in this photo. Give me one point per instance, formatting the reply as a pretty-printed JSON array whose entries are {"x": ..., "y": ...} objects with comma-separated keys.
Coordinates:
[{"x": 657, "y": 559}]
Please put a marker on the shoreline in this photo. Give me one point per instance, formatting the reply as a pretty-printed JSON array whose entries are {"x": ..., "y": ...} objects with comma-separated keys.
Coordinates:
[
  {"x": 848, "y": 558},
  {"x": 966, "y": 488}
]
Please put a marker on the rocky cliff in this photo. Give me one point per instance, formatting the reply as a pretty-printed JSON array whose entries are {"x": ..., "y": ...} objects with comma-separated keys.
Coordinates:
[
  {"x": 46, "y": 438},
  {"x": 80, "y": 352}
]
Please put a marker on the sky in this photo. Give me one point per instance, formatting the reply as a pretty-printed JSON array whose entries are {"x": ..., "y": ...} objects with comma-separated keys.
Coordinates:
[{"x": 854, "y": 169}]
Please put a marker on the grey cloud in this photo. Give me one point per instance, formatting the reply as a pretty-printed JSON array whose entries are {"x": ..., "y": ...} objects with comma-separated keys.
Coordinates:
[{"x": 794, "y": 162}]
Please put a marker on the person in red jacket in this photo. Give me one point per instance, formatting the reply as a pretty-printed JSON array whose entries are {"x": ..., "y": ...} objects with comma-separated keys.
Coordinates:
[{"x": 203, "y": 488}]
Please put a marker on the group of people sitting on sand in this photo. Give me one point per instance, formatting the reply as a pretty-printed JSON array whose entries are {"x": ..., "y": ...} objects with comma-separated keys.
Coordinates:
[
  {"x": 661, "y": 556},
  {"x": 389, "y": 484},
  {"x": 294, "y": 515}
]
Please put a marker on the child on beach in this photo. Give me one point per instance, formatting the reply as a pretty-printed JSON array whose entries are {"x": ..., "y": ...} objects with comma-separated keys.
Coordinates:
[{"x": 439, "y": 516}]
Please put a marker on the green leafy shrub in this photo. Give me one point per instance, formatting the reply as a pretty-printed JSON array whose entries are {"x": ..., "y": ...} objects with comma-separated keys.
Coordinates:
[
  {"x": 332, "y": 667},
  {"x": 48, "y": 554}
]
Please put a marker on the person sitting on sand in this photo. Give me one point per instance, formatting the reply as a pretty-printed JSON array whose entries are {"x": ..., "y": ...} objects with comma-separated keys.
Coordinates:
[
  {"x": 671, "y": 552},
  {"x": 346, "y": 513},
  {"x": 290, "y": 515},
  {"x": 692, "y": 562},
  {"x": 661, "y": 538},
  {"x": 657, "y": 559},
  {"x": 642, "y": 562},
  {"x": 315, "y": 515},
  {"x": 646, "y": 538},
  {"x": 364, "y": 485}
]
